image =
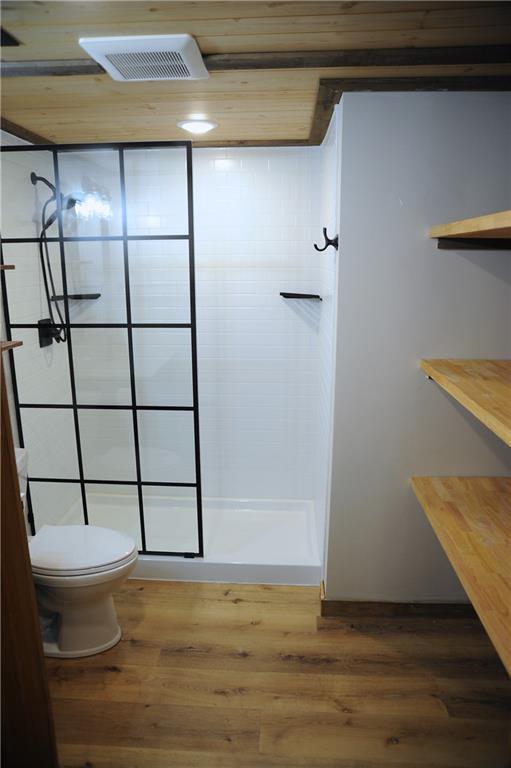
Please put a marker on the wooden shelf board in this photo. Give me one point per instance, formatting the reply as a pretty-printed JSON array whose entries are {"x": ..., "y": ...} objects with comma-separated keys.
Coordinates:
[
  {"x": 5, "y": 346},
  {"x": 483, "y": 387},
  {"x": 472, "y": 518},
  {"x": 492, "y": 225}
]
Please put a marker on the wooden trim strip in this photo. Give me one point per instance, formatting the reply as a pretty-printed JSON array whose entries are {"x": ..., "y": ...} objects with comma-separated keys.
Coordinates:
[
  {"x": 22, "y": 133},
  {"x": 28, "y": 734},
  {"x": 354, "y": 608},
  {"x": 255, "y": 143},
  {"x": 416, "y": 83}
]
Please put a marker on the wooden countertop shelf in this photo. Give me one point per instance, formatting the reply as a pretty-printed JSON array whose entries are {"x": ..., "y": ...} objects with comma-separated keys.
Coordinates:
[
  {"x": 491, "y": 225},
  {"x": 483, "y": 387},
  {"x": 489, "y": 232},
  {"x": 472, "y": 518}
]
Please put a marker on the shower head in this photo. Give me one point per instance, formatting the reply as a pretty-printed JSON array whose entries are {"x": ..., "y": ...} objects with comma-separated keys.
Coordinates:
[
  {"x": 34, "y": 178},
  {"x": 66, "y": 203}
]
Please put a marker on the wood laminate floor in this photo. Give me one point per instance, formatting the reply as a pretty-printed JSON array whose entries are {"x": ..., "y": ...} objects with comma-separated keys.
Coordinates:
[{"x": 243, "y": 676}]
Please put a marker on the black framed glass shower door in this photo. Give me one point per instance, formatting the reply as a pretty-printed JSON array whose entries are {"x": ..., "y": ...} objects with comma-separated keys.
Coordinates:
[{"x": 110, "y": 415}]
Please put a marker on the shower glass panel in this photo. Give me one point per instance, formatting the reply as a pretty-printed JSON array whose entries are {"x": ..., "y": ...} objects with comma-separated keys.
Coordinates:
[
  {"x": 47, "y": 512},
  {"x": 96, "y": 267},
  {"x": 115, "y": 506},
  {"x": 103, "y": 298},
  {"x": 24, "y": 281}
]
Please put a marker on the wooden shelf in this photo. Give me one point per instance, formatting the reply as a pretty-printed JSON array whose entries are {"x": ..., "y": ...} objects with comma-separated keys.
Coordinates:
[
  {"x": 5, "y": 346},
  {"x": 483, "y": 387},
  {"x": 472, "y": 518},
  {"x": 493, "y": 225}
]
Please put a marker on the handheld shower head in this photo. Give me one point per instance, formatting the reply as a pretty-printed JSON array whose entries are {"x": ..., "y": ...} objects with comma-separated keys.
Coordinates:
[
  {"x": 66, "y": 204},
  {"x": 34, "y": 178}
]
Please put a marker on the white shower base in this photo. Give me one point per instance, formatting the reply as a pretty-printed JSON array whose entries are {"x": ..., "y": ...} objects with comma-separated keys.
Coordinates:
[{"x": 245, "y": 541}]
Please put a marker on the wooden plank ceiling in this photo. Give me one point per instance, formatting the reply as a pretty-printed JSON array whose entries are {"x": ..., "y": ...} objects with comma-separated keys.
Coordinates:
[{"x": 251, "y": 105}]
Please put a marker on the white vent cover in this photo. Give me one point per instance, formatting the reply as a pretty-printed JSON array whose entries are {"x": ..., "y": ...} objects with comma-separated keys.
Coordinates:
[{"x": 147, "y": 57}]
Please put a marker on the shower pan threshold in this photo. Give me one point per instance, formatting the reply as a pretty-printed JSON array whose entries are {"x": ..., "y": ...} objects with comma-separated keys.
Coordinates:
[{"x": 248, "y": 541}]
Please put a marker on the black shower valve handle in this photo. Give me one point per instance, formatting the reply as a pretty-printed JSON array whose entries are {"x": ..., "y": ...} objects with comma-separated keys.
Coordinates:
[{"x": 328, "y": 241}]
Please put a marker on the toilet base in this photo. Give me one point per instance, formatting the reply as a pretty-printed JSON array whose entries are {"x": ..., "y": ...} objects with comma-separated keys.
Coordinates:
[
  {"x": 77, "y": 613},
  {"x": 52, "y": 650},
  {"x": 75, "y": 628}
]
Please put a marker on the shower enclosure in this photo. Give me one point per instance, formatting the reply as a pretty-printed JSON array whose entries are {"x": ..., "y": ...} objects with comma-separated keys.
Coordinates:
[
  {"x": 102, "y": 295},
  {"x": 129, "y": 318}
]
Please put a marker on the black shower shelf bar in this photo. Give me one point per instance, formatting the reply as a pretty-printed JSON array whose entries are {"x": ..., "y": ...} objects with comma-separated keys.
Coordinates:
[
  {"x": 76, "y": 296},
  {"x": 314, "y": 296}
]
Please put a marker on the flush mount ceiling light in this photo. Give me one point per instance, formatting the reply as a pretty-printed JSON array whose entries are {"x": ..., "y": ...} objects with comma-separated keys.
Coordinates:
[{"x": 197, "y": 126}]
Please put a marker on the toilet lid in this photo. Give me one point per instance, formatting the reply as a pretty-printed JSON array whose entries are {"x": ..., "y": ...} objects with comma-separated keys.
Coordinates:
[{"x": 68, "y": 549}]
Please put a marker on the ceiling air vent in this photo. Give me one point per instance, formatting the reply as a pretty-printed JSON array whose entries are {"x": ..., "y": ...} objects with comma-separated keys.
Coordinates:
[{"x": 147, "y": 57}]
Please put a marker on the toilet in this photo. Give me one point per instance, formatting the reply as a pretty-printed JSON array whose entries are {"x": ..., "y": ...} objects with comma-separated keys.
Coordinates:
[{"x": 75, "y": 569}]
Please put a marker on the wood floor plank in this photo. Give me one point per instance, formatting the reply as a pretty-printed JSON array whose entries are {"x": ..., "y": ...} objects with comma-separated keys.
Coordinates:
[
  {"x": 331, "y": 653},
  {"x": 122, "y": 724},
  {"x": 92, "y": 756},
  {"x": 476, "y": 699},
  {"x": 278, "y": 692},
  {"x": 244, "y": 676},
  {"x": 230, "y": 593},
  {"x": 391, "y": 740}
]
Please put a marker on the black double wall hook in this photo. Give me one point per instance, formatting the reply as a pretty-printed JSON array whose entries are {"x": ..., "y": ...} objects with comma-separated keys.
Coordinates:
[{"x": 328, "y": 241}]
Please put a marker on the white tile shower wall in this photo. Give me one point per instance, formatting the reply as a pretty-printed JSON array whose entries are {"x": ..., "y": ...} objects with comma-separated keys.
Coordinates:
[
  {"x": 10, "y": 191},
  {"x": 264, "y": 362},
  {"x": 255, "y": 222}
]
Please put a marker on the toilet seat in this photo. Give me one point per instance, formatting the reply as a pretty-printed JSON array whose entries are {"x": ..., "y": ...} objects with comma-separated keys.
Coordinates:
[{"x": 78, "y": 550}]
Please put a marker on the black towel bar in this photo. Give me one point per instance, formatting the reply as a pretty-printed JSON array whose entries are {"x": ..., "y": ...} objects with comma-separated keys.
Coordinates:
[{"x": 77, "y": 296}]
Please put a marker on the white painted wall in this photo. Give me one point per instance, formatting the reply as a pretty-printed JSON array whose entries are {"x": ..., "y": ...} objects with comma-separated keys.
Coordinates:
[
  {"x": 410, "y": 161},
  {"x": 328, "y": 264}
]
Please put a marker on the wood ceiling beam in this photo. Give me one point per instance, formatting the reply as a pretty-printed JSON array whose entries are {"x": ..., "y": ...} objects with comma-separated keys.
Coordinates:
[
  {"x": 222, "y": 62},
  {"x": 57, "y": 68},
  {"x": 377, "y": 57},
  {"x": 22, "y": 133},
  {"x": 331, "y": 90}
]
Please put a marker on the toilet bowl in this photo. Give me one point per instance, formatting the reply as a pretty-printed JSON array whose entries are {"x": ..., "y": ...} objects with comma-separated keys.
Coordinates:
[{"x": 75, "y": 569}]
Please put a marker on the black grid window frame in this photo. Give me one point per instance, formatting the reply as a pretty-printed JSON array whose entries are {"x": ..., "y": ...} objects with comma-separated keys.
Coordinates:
[{"x": 133, "y": 406}]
